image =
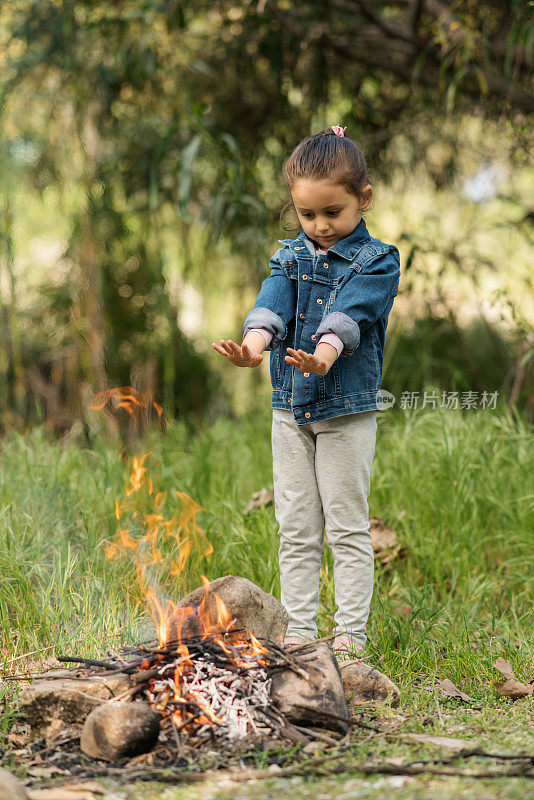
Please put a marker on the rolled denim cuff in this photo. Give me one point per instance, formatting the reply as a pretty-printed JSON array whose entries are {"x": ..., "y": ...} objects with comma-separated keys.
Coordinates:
[
  {"x": 265, "y": 318},
  {"x": 343, "y": 326}
]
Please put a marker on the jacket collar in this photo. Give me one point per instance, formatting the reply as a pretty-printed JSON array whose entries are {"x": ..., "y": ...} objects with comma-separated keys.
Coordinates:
[{"x": 347, "y": 247}]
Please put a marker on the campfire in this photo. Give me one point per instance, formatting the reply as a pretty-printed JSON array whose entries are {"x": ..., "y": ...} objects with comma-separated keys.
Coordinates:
[
  {"x": 213, "y": 684},
  {"x": 216, "y": 671}
]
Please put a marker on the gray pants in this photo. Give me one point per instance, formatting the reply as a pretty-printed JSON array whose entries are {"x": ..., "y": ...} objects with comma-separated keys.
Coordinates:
[{"x": 322, "y": 474}]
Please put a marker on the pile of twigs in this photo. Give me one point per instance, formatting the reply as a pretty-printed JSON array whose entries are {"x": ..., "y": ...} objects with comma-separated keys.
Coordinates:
[{"x": 217, "y": 686}]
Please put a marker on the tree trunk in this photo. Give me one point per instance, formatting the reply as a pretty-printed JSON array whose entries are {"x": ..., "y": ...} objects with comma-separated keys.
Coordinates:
[{"x": 90, "y": 271}]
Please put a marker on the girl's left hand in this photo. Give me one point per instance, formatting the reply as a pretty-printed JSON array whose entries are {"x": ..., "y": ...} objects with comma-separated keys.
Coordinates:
[{"x": 306, "y": 362}]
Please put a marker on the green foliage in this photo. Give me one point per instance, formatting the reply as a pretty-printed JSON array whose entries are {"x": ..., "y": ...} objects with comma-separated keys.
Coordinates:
[
  {"x": 464, "y": 578},
  {"x": 158, "y": 130},
  {"x": 474, "y": 358},
  {"x": 458, "y": 596}
]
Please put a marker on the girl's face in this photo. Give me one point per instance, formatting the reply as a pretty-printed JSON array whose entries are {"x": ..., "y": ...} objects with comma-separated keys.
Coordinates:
[{"x": 326, "y": 211}]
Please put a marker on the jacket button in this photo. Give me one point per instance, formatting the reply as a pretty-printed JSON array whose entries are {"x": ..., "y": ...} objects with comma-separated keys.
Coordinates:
[
  {"x": 304, "y": 277},
  {"x": 301, "y": 316},
  {"x": 325, "y": 265},
  {"x": 307, "y": 414},
  {"x": 320, "y": 301},
  {"x": 313, "y": 336},
  {"x": 306, "y": 374},
  {"x": 298, "y": 248}
]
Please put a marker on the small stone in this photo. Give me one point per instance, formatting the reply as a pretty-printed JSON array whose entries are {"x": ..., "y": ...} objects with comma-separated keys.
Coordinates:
[
  {"x": 253, "y": 609},
  {"x": 318, "y": 701},
  {"x": 362, "y": 684},
  {"x": 120, "y": 730},
  {"x": 313, "y": 748},
  {"x": 55, "y": 707},
  {"x": 10, "y": 787}
]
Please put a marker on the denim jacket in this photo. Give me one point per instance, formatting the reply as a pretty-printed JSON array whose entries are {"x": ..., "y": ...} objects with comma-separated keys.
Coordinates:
[{"x": 349, "y": 292}]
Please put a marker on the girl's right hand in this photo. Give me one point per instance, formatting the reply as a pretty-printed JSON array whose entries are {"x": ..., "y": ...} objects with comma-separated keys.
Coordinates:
[{"x": 241, "y": 356}]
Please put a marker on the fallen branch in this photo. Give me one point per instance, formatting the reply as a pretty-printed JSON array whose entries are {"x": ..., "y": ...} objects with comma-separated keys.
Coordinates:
[
  {"x": 88, "y": 662},
  {"x": 317, "y": 767},
  {"x": 429, "y": 769}
]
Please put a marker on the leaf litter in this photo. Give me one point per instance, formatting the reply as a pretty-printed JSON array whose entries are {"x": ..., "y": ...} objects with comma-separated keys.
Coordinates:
[
  {"x": 259, "y": 499},
  {"x": 511, "y": 687},
  {"x": 448, "y": 688}
]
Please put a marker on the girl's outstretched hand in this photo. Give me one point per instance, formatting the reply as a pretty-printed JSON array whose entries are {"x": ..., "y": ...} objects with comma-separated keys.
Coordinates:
[
  {"x": 306, "y": 362},
  {"x": 240, "y": 355}
]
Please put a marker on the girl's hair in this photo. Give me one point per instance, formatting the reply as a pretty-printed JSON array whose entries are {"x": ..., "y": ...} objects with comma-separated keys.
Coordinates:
[{"x": 326, "y": 155}]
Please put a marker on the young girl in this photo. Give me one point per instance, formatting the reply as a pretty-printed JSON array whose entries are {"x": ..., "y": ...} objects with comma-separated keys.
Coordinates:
[{"x": 322, "y": 312}]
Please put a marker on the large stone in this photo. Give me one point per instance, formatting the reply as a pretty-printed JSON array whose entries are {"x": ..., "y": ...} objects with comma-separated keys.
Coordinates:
[
  {"x": 316, "y": 701},
  {"x": 10, "y": 787},
  {"x": 362, "y": 684},
  {"x": 252, "y": 608},
  {"x": 120, "y": 730},
  {"x": 54, "y": 707}
]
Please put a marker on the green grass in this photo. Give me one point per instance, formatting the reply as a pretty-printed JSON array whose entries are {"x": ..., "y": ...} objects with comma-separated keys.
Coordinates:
[{"x": 455, "y": 485}]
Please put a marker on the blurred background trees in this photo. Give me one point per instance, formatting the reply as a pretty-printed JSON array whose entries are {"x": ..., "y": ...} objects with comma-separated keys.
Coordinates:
[{"x": 141, "y": 146}]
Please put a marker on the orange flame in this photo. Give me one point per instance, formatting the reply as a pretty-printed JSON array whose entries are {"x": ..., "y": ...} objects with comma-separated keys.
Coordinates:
[
  {"x": 137, "y": 476},
  {"x": 159, "y": 615},
  {"x": 157, "y": 534},
  {"x": 127, "y": 398},
  {"x": 160, "y": 534}
]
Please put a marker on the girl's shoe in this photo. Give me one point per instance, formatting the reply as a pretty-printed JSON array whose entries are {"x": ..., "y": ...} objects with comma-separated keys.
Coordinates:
[{"x": 346, "y": 648}]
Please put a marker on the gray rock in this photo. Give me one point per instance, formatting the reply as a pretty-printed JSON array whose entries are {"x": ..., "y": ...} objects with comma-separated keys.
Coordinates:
[
  {"x": 253, "y": 609},
  {"x": 10, "y": 787},
  {"x": 55, "y": 707},
  {"x": 362, "y": 684},
  {"x": 322, "y": 694},
  {"x": 120, "y": 730}
]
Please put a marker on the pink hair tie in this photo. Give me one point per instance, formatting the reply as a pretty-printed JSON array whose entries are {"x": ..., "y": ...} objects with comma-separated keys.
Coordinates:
[{"x": 338, "y": 130}]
